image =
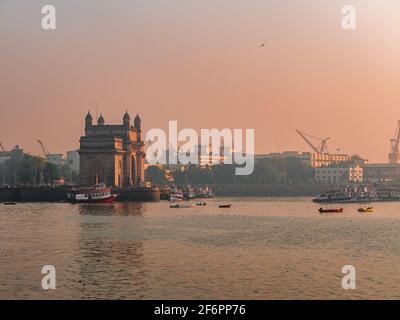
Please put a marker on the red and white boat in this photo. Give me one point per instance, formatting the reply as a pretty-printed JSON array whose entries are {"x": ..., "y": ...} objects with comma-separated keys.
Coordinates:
[{"x": 99, "y": 193}]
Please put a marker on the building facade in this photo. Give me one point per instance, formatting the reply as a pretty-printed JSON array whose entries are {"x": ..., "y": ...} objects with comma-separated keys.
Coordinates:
[
  {"x": 73, "y": 161},
  {"x": 337, "y": 175},
  {"x": 378, "y": 171},
  {"x": 314, "y": 160},
  {"x": 112, "y": 154},
  {"x": 55, "y": 158}
]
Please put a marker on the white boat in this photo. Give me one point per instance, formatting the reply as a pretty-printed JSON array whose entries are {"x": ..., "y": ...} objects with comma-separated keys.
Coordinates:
[
  {"x": 176, "y": 194},
  {"x": 99, "y": 193}
]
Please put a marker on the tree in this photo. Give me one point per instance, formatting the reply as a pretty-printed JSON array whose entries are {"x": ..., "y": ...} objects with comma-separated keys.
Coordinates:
[
  {"x": 156, "y": 175},
  {"x": 51, "y": 172}
]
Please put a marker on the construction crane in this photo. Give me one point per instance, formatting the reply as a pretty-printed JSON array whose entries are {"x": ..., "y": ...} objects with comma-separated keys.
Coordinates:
[
  {"x": 43, "y": 148},
  {"x": 321, "y": 148},
  {"x": 394, "y": 145},
  {"x": 2, "y": 147}
]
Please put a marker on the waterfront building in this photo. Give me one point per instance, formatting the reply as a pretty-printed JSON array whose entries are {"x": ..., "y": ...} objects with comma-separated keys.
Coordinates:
[
  {"x": 112, "y": 154},
  {"x": 73, "y": 161},
  {"x": 206, "y": 157},
  {"x": 382, "y": 171},
  {"x": 338, "y": 174},
  {"x": 5, "y": 155},
  {"x": 55, "y": 158},
  {"x": 314, "y": 160}
]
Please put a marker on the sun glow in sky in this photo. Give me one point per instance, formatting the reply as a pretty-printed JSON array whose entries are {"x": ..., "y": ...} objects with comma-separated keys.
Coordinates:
[{"x": 200, "y": 63}]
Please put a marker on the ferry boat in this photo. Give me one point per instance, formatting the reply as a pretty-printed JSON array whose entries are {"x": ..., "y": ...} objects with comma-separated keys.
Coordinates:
[
  {"x": 99, "y": 193},
  {"x": 357, "y": 195},
  {"x": 348, "y": 195}
]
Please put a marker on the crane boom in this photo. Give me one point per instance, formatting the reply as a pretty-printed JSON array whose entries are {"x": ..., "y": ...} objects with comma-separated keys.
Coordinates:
[
  {"x": 2, "y": 147},
  {"x": 307, "y": 141},
  {"x": 322, "y": 148},
  {"x": 43, "y": 148},
  {"x": 394, "y": 146}
]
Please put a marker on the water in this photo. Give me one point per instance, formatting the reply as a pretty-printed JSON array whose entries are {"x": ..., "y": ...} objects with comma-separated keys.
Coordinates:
[{"x": 261, "y": 248}]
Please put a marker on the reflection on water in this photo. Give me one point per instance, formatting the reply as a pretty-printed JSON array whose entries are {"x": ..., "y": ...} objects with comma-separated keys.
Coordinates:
[
  {"x": 118, "y": 208},
  {"x": 259, "y": 249}
]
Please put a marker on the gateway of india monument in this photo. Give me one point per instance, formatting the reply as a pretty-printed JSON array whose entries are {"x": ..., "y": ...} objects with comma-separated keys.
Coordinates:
[{"x": 112, "y": 154}]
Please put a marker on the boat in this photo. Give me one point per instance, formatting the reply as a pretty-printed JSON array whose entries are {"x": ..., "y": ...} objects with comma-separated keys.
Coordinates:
[
  {"x": 177, "y": 206},
  {"x": 224, "y": 205},
  {"x": 176, "y": 194},
  {"x": 9, "y": 203},
  {"x": 358, "y": 194},
  {"x": 201, "y": 204},
  {"x": 329, "y": 210},
  {"x": 99, "y": 193},
  {"x": 188, "y": 193},
  {"x": 204, "y": 192},
  {"x": 165, "y": 193},
  {"x": 365, "y": 209}
]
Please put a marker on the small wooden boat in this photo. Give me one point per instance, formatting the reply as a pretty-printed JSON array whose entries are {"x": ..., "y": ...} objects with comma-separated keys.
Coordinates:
[
  {"x": 177, "y": 206},
  {"x": 366, "y": 209},
  {"x": 201, "y": 204},
  {"x": 330, "y": 210},
  {"x": 9, "y": 203},
  {"x": 224, "y": 206}
]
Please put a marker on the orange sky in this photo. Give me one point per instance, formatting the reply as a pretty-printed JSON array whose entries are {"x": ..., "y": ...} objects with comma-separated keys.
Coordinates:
[{"x": 199, "y": 62}]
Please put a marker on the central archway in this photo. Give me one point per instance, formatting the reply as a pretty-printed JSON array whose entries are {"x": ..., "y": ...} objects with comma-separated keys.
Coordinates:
[
  {"x": 133, "y": 170},
  {"x": 119, "y": 174}
]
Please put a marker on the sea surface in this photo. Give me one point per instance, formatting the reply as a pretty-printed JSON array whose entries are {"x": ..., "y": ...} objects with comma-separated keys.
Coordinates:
[{"x": 260, "y": 248}]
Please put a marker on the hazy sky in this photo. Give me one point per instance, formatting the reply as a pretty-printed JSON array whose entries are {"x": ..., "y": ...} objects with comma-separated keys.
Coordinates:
[{"x": 199, "y": 62}]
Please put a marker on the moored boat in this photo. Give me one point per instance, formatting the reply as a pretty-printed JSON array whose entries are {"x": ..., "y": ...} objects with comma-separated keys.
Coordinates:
[
  {"x": 176, "y": 194},
  {"x": 330, "y": 210},
  {"x": 365, "y": 209},
  {"x": 204, "y": 192},
  {"x": 99, "y": 193}
]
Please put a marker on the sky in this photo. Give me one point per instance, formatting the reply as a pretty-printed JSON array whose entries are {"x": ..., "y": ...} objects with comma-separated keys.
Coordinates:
[{"x": 200, "y": 62}]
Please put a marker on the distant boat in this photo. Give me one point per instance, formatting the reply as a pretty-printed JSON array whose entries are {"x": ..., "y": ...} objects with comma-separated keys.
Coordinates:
[
  {"x": 224, "y": 205},
  {"x": 329, "y": 210},
  {"x": 99, "y": 193},
  {"x": 9, "y": 203},
  {"x": 204, "y": 192},
  {"x": 365, "y": 209},
  {"x": 201, "y": 204},
  {"x": 176, "y": 194},
  {"x": 188, "y": 193},
  {"x": 177, "y": 206}
]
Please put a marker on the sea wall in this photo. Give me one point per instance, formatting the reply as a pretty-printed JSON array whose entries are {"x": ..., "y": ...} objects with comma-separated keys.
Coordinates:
[
  {"x": 9, "y": 194},
  {"x": 43, "y": 194},
  {"x": 138, "y": 194}
]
